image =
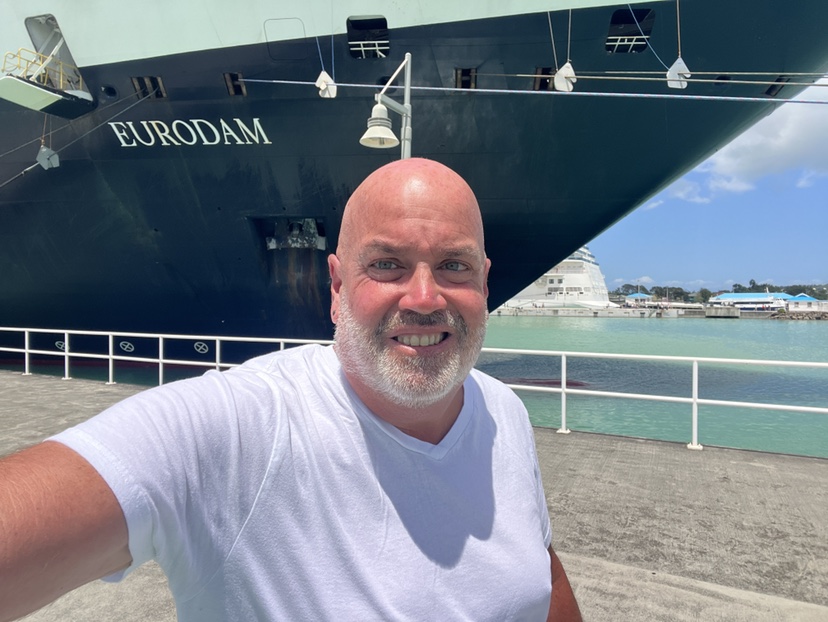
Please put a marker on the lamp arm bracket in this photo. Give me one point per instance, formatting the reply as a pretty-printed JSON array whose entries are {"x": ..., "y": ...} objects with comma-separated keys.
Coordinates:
[
  {"x": 393, "y": 105},
  {"x": 396, "y": 73}
]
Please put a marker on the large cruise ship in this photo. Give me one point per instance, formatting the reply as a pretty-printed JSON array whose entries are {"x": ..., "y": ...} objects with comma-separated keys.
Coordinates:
[
  {"x": 576, "y": 282},
  {"x": 182, "y": 166}
]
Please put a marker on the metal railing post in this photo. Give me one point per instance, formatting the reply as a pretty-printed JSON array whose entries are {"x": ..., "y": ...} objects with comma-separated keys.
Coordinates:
[
  {"x": 160, "y": 361},
  {"x": 695, "y": 406},
  {"x": 26, "y": 356},
  {"x": 66, "y": 375},
  {"x": 111, "y": 359},
  {"x": 218, "y": 354},
  {"x": 563, "y": 429}
]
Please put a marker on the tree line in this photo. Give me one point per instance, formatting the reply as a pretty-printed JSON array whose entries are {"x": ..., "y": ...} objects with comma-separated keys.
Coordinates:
[{"x": 677, "y": 294}]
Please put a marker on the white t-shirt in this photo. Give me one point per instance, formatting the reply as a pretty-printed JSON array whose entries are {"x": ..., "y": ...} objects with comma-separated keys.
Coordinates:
[{"x": 270, "y": 492}]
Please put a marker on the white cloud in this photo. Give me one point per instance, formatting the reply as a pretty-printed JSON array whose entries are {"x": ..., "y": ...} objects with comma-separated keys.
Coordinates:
[
  {"x": 808, "y": 178},
  {"x": 652, "y": 205},
  {"x": 792, "y": 138},
  {"x": 696, "y": 284},
  {"x": 729, "y": 184},
  {"x": 688, "y": 190}
]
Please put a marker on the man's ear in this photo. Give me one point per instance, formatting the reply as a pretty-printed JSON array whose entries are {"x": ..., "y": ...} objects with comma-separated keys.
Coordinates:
[
  {"x": 335, "y": 270},
  {"x": 486, "y": 277}
]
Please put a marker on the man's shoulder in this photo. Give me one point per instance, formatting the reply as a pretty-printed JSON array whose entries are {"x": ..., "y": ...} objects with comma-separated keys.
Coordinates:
[
  {"x": 484, "y": 379},
  {"x": 310, "y": 356},
  {"x": 491, "y": 388},
  {"x": 503, "y": 406},
  {"x": 273, "y": 372}
]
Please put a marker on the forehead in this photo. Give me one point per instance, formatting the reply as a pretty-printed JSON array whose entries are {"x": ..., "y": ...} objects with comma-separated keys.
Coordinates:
[
  {"x": 408, "y": 224},
  {"x": 398, "y": 198}
]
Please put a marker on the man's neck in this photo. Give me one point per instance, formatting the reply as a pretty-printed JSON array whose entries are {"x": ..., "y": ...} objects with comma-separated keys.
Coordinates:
[{"x": 429, "y": 424}]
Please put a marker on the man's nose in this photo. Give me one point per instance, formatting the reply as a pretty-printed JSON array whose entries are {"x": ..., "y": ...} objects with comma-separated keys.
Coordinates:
[{"x": 423, "y": 293}]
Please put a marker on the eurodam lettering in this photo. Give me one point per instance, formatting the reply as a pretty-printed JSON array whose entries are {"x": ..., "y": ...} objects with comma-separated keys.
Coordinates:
[{"x": 189, "y": 132}]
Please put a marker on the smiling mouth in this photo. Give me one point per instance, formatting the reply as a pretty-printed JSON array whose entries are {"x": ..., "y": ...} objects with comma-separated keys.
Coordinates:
[{"x": 421, "y": 340}]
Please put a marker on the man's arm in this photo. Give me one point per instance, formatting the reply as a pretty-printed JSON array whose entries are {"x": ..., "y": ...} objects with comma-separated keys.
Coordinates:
[
  {"x": 60, "y": 527},
  {"x": 563, "y": 607}
]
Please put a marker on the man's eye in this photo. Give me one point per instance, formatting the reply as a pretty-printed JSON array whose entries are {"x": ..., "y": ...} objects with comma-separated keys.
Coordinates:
[
  {"x": 455, "y": 266},
  {"x": 385, "y": 264}
]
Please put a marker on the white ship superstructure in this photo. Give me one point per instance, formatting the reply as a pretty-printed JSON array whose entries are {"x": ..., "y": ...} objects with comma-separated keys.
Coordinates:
[{"x": 575, "y": 282}]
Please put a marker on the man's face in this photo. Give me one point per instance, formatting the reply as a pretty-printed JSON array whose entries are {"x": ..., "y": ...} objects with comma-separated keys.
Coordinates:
[
  {"x": 410, "y": 379},
  {"x": 410, "y": 294}
]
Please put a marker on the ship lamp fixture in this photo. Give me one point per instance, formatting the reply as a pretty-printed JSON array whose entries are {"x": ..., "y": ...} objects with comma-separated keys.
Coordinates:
[{"x": 379, "y": 134}]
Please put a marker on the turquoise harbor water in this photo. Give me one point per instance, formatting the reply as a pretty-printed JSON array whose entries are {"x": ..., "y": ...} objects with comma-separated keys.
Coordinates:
[{"x": 746, "y": 428}]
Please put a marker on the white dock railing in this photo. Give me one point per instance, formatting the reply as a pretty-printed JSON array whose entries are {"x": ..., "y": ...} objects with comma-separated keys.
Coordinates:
[
  {"x": 63, "y": 349},
  {"x": 693, "y": 400}
]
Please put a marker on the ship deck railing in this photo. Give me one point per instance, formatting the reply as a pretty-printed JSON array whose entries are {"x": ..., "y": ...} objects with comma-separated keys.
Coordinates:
[
  {"x": 43, "y": 70},
  {"x": 63, "y": 349}
]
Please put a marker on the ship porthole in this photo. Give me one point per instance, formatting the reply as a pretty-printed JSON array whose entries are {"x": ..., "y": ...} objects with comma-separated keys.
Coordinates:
[{"x": 109, "y": 91}]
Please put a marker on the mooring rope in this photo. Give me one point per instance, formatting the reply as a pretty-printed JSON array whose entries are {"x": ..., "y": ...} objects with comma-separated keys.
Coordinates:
[
  {"x": 84, "y": 135},
  {"x": 552, "y": 36}
]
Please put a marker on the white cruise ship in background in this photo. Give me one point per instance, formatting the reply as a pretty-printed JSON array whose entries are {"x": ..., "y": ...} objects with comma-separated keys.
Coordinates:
[{"x": 576, "y": 282}]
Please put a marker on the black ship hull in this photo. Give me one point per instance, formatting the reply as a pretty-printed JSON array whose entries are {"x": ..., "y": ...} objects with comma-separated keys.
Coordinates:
[{"x": 212, "y": 209}]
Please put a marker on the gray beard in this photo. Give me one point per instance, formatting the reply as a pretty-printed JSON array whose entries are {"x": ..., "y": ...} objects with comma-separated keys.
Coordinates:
[{"x": 411, "y": 382}]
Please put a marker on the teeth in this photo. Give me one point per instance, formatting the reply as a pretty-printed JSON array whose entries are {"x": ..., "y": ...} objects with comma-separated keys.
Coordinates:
[{"x": 421, "y": 340}]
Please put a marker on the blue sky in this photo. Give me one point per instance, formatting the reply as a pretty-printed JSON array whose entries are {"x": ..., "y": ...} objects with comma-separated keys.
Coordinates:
[{"x": 757, "y": 209}]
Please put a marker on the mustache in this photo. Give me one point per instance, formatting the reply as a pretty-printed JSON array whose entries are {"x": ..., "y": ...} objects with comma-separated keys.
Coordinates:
[{"x": 406, "y": 319}]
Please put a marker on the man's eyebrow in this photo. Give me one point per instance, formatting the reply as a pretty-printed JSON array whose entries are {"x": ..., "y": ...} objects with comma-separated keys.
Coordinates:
[
  {"x": 380, "y": 248},
  {"x": 462, "y": 251}
]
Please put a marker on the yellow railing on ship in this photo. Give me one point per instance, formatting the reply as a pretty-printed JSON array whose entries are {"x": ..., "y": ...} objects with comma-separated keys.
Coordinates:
[{"x": 42, "y": 69}]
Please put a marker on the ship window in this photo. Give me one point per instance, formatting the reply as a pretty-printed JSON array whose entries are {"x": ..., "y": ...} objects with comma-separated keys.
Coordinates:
[
  {"x": 629, "y": 31},
  {"x": 543, "y": 79},
  {"x": 368, "y": 36},
  {"x": 149, "y": 86},
  {"x": 235, "y": 84},
  {"x": 465, "y": 78}
]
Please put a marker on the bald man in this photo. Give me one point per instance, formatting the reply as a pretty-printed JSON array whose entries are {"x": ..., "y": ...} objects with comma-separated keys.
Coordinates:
[{"x": 379, "y": 479}]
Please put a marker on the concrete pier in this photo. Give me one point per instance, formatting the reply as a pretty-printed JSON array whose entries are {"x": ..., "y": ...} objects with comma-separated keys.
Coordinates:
[
  {"x": 647, "y": 530},
  {"x": 722, "y": 312}
]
